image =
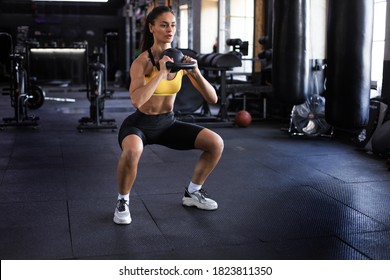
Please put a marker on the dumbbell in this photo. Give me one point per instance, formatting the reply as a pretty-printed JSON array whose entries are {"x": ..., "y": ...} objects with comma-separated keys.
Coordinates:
[
  {"x": 234, "y": 42},
  {"x": 177, "y": 57}
]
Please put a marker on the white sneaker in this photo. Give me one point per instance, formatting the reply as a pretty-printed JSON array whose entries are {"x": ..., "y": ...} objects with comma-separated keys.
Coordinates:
[
  {"x": 122, "y": 213},
  {"x": 199, "y": 199}
]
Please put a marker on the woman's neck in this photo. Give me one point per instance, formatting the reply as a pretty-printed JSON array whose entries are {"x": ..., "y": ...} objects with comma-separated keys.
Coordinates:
[{"x": 157, "y": 49}]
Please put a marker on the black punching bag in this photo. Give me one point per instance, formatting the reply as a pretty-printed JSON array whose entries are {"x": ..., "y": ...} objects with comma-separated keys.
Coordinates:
[
  {"x": 349, "y": 46},
  {"x": 290, "y": 65}
]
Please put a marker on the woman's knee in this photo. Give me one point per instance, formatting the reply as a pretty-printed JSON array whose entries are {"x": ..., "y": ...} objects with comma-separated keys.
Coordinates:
[
  {"x": 218, "y": 143},
  {"x": 132, "y": 148},
  {"x": 210, "y": 141}
]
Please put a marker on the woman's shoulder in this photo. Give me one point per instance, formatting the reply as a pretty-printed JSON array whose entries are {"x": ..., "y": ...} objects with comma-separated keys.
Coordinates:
[
  {"x": 141, "y": 62},
  {"x": 143, "y": 58}
]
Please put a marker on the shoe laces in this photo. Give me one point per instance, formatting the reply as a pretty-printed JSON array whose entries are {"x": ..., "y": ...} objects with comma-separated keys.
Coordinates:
[
  {"x": 122, "y": 205},
  {"x": 203, "y": 193}
]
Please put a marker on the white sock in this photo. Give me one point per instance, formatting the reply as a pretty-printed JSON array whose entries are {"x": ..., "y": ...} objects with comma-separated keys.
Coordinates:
[
  {"x": 194, "y": 187},
  {"x": 124, "y": 196}
]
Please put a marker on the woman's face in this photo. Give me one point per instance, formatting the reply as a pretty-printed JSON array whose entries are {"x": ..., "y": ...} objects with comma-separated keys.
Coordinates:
[{"x": 164, "y": 28}]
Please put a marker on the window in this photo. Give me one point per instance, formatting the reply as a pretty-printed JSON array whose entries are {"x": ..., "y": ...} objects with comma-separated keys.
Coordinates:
[
  {"x": 183, "y": 36},
  {"x": 242, "y": 26},
  {"x": 209, "y": 25},
  {"x": 378, "y": 45},
  {"x": 237, "y": 21}
]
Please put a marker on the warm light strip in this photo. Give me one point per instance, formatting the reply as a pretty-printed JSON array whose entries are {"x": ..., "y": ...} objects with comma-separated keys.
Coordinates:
[
  {"x": 61, "y": 50},
  {"x": 100, "y": 1}
]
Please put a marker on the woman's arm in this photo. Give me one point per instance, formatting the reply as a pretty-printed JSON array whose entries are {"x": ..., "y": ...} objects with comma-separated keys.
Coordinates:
[{"x": 200, "y": 83}]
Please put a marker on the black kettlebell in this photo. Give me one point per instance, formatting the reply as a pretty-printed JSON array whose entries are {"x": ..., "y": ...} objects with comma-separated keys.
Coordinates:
[{"x": 177, "y": 57}]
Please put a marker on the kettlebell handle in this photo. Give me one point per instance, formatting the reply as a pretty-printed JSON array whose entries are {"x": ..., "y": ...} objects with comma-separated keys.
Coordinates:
[
  {"x": 179, "y": 66},
  {"x": 177, "y": 57}
]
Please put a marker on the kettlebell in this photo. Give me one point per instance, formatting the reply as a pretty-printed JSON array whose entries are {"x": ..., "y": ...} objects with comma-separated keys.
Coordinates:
[{"x": 177, "y": 63}]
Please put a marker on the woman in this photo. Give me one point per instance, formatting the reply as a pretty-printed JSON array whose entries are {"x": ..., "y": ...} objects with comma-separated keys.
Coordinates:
[{"x": 153, "y": 93}]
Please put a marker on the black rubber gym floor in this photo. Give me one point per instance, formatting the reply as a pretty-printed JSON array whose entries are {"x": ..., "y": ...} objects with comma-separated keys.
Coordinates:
[{"x": 279, "y": 197}]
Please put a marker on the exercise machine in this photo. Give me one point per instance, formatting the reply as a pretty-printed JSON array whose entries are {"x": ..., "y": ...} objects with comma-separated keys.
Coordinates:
[
  {"x": 24, "y": 96},
  {"x": 97, "y": 92},
  {"x": 214, "y": 67},
  {"x": 96, "y": 96}
]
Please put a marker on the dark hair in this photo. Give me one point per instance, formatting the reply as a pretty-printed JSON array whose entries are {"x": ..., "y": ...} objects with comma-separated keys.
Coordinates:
[{"x": 147, "y": 39}]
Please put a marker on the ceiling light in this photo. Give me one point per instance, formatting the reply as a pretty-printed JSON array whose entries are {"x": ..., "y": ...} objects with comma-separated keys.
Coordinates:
[{"x": 58, "y": 50}]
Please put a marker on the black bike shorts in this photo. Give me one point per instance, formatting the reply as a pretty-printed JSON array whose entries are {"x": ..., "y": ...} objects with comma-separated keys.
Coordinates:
[{"x": 161, "y": 129}]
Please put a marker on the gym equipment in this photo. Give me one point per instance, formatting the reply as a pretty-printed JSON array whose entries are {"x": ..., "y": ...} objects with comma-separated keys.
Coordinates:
[
  {"x": 23, "y": 95},
  {"x": 253, "y": 92},
  {"x": 238, "y": 45},
  {"x": 380, "y": 140},
  {"x": 290, "y": 67},
  {"x": 188, "y": 101},
  {"x": 243, "y": 92},
  {"x": 230, "y": 59},
  {"x": 37, "y": 95},
  {"x": 177, "y": 63},
  {"x": 349, "y": 48},
  {"x": 265, "y": 57},
  {"x": 105, "y": 87},
  {"x": 96, "y": 96},
  {"x": 214, "y": 67},
  {"x": 378, "y": 112},
  {"x": 189, "y": 52},
  {"x": 309, "y": 118},
  {"x": 211, "y": 61},
  {"x": 243, "y": 118},
  {"x": 189, "y": 106}
]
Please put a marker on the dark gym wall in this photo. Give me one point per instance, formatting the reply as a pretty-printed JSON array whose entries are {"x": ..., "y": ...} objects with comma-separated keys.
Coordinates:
[{"x": 72, "y": 28}]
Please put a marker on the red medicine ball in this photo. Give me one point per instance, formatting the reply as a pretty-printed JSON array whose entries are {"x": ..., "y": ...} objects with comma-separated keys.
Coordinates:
[{"x": 243, "y": 118}]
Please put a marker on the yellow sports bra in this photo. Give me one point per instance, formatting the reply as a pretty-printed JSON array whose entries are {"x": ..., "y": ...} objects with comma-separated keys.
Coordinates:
[{"x": 165, "y": 87}]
